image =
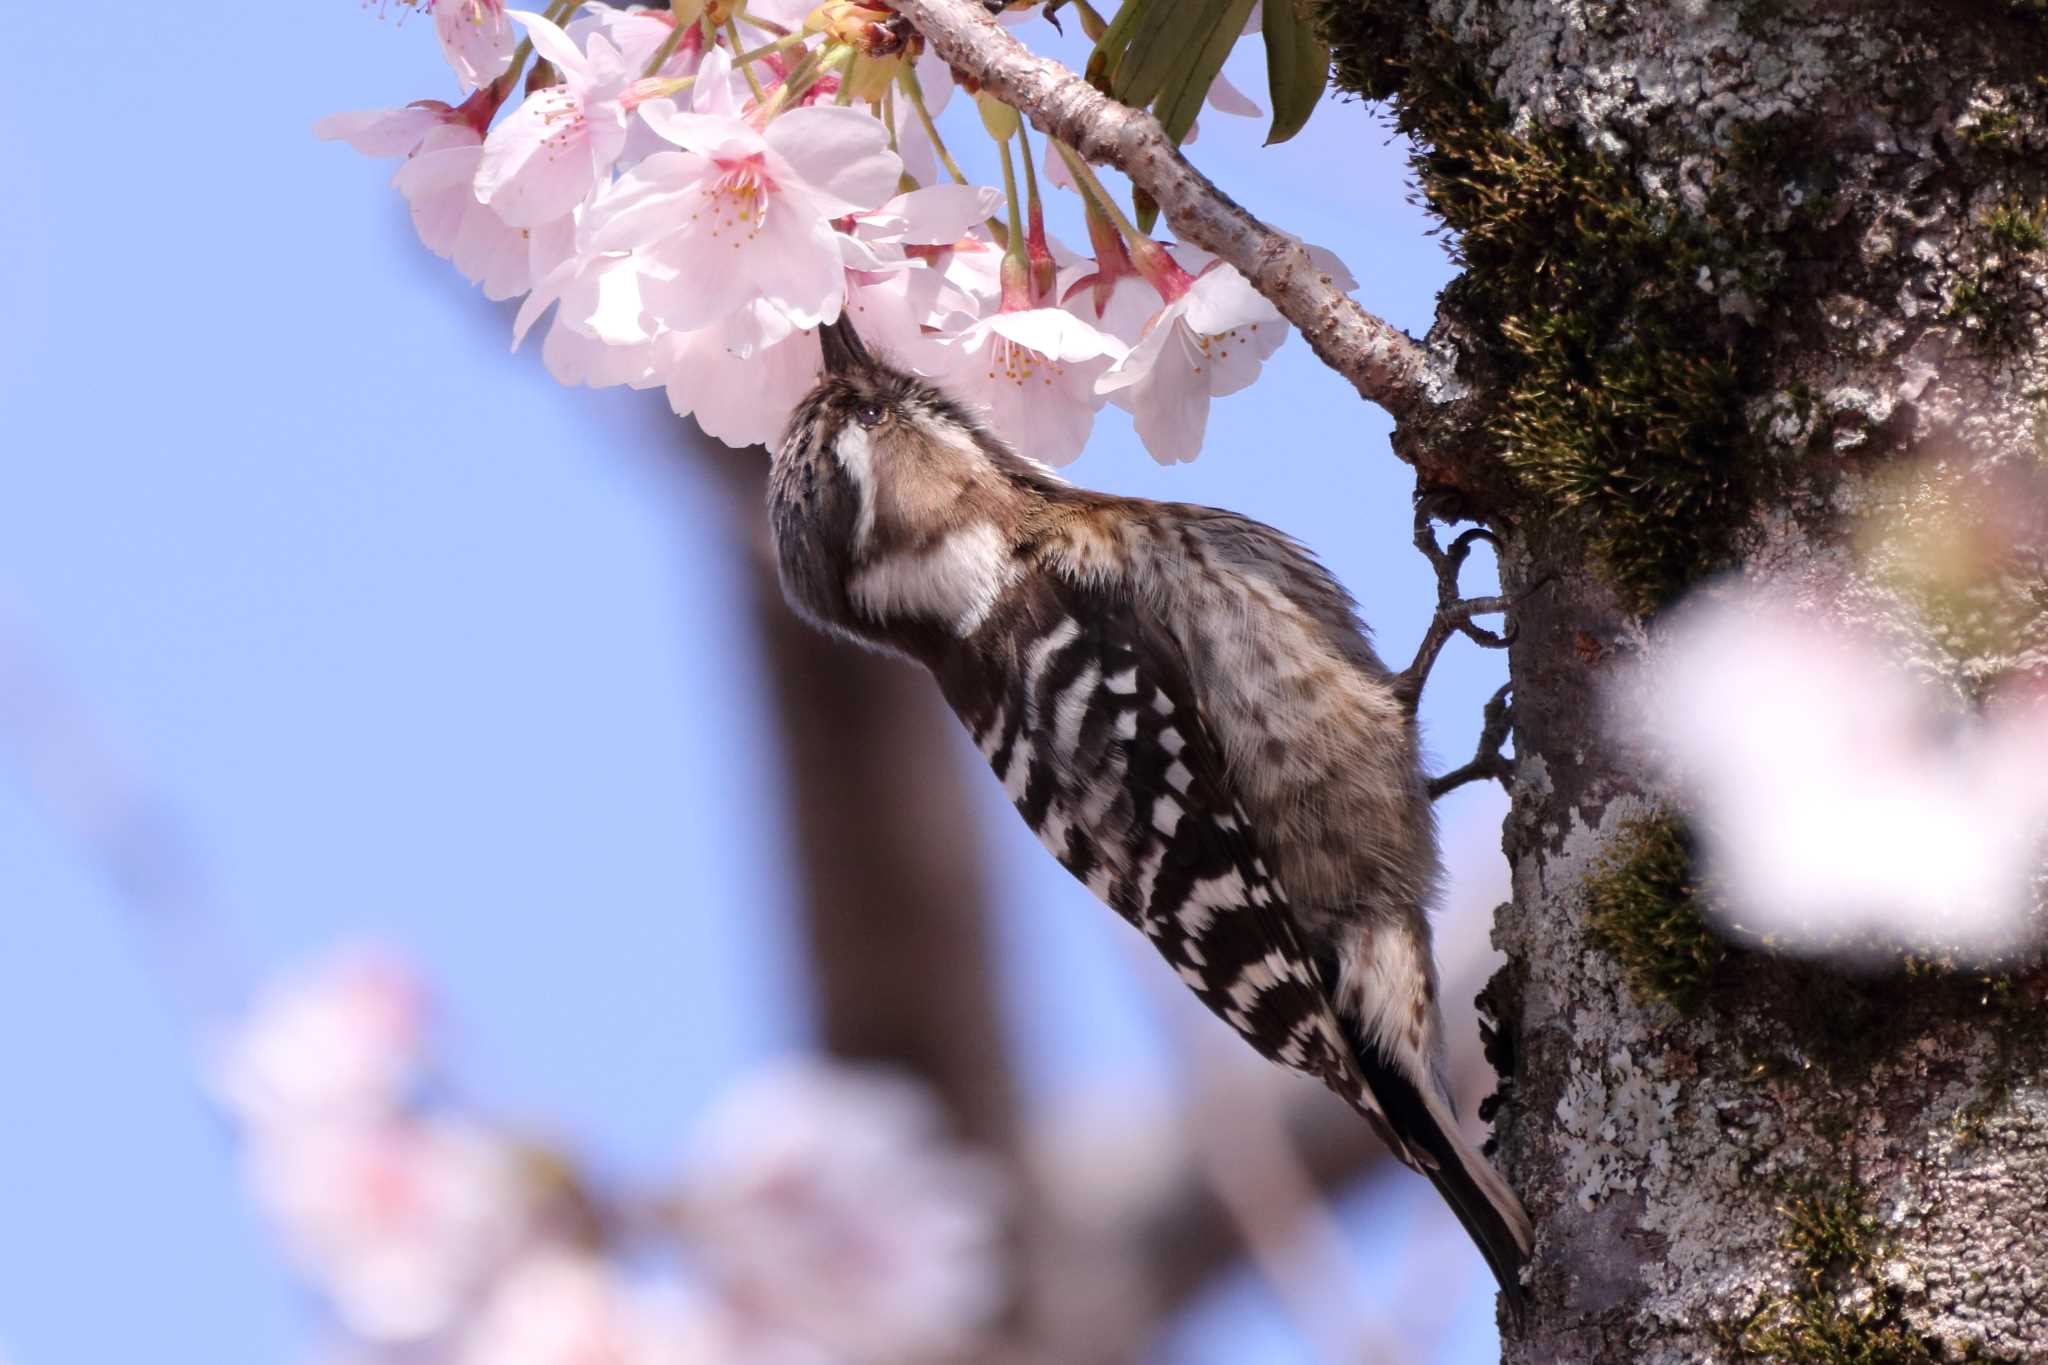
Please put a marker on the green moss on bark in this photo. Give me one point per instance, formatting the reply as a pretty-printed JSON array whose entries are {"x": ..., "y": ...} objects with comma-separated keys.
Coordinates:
[
  {"x": 1643, "y": 906},
  {"x": 1841, "y": 1312},
  {"x": 1622, "y": 348}
]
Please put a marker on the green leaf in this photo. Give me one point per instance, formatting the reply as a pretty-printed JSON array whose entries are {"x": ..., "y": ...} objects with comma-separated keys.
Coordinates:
[
  {"x": 1109, "y": 49},
  {"x": 1297, "y": 68},
  {"x": 1169, "y": 40},
  {"x": 1182, "y": 98}
]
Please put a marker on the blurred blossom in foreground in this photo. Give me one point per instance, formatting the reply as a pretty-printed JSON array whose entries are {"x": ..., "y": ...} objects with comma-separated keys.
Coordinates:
[
  {"x": 825, "y": 1199},
  {"x": 561, "y": 1307},
  {"x": 1844, "y": 803},
  {"x": 400, "y": 1224},
  {"x": 343, "y": 1040},
  {"x": 831, "y": 1220}
]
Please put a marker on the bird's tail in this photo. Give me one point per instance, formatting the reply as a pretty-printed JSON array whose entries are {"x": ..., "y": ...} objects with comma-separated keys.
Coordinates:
[{"x": 1424, "y": 1133}]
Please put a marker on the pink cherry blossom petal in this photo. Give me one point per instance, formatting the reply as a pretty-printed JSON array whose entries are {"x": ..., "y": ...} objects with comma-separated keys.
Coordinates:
[
  {"x": 841, "y": 155},
  {"x": 740, "y": 400},
  {"x": 537, "y": 164},
  {"x": 1170, "y": 412},
  {"x": 1221, "y": 299},
  {"x": 549, "y": 40},
  {"x": 709, "y": 135},
  {"x": 553, "y": 150},
  {"x": 475, "y": 39},
  {"x": 1226, "y": 98},
  {"x": 938, "y": 215},
  {"x": 438, "y": 183},
  {"x": 382, "y": 132},
  {"x": 1033, "y": 373}
]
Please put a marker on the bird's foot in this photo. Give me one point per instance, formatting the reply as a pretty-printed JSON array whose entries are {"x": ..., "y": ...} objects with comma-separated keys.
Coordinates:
[
  {"x": 1488, "y": 761},
  {"x": 1453, "y": 613}
]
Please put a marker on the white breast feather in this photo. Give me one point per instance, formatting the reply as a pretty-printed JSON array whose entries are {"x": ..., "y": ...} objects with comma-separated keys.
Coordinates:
[
  {"x": 857, "y": 458},
  {"x": 957, "y": 581}
]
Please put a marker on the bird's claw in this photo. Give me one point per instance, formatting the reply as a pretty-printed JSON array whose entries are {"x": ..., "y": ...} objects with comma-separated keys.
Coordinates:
[
  {"x": 1488, "y": 760},
  {"x": 1453, "y": 613}
]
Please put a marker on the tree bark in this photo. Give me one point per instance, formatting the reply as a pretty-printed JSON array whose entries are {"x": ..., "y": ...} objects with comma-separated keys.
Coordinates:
[{"x": 1729, "y": 269}]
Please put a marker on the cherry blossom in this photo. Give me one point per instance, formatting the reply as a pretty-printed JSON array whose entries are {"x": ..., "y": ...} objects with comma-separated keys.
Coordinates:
[
  {"x": 694, "y": 239},
  {"x": 602, "y": 334},
  {"x": 546, "y": 157},
  {"x": 344, "y": 1040},
  {"x": 439, "y": 182},
  {"x": 1845, "y": 804},
  {"x": 475, "y": 39},
  {"x": 906, "y": 282},
  {"x": 399, "y": 1223},
  {"x": 1032, "y": 373},
  {"x": 936, "y": 216},
  {"x": 739, "y": 377},
  {"x": 739, "y": 214},
  {"x": 826, "y": 1199},
  {"x": 384, "y": 132},
  {"x": 1208, "y": 341},
  {"x": 563, "y": 1307},
  {"x": 638, "y": 34}
]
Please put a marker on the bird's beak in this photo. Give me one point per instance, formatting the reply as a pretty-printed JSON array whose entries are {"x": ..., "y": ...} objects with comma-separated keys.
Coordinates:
[{"x": 844, "y": 353}]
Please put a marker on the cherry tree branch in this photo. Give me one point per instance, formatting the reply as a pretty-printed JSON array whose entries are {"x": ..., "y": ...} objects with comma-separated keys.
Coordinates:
[{"x": 1383, "y": 362}]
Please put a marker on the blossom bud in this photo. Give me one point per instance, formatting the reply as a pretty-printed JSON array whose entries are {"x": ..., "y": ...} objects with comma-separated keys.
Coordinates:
[
  {"x": 999, "y": 118},
  {"x": 870, "y": 77},
  {"x": 846, "y": 21}
]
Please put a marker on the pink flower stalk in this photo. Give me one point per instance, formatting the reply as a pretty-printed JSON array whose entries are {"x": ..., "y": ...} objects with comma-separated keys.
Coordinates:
[{"x": 1112, "y": 264}]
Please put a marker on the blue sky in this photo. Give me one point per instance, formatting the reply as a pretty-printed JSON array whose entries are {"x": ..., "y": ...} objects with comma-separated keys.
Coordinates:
[{"x": 411, "y": 643}]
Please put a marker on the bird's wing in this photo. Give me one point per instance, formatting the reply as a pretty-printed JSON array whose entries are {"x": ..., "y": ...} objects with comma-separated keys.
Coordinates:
[
  {"x": 1084, "y": 706},
  {"x": 1096, "y": 735}
]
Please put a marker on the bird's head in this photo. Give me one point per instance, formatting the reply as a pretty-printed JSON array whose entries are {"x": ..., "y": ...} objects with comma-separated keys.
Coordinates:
[{"x": 895, "y": 513}]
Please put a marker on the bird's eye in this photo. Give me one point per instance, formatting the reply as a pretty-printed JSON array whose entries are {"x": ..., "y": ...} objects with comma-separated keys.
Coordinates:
[{"x": 868, "y": 414}]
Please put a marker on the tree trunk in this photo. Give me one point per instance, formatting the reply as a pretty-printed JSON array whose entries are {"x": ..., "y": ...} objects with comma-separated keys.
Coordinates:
[{"x": 1728, "y": 270}]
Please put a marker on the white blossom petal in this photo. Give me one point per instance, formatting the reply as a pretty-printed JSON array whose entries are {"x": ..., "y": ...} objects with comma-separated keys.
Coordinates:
[
  {"x": 841, "y": 155},
  {"x": 475, "y": 39},
  {"x": 383, "y": 132}
]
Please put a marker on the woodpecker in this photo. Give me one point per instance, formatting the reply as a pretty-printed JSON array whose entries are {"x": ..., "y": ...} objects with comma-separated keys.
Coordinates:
[{"x": 1183, "y": 706}]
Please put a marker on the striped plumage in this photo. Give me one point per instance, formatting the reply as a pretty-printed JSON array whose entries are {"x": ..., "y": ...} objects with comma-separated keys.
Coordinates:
[{"x": 1183, "y": 706}]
